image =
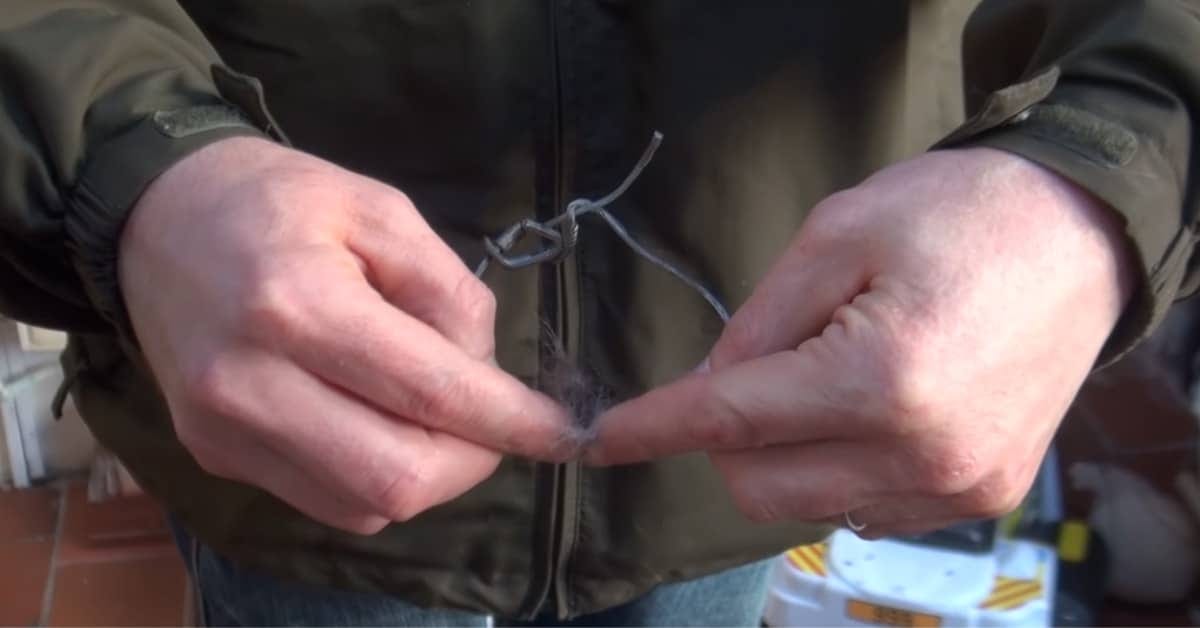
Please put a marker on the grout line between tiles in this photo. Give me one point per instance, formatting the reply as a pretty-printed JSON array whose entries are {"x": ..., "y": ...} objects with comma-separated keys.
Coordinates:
[
  {"x": 189, "y": 604},
  {"x": 120, "y": 553},
  {"x": 48, "y": 591}
]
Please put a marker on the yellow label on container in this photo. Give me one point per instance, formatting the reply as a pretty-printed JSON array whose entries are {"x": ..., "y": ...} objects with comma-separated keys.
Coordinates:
[
  {"x": 888, "y": 616},
  {"x": 1073, "y": 539}
]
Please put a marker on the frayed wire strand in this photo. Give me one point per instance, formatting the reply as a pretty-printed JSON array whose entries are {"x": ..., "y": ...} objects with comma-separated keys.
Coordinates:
[{"x": 562, "y": 233}]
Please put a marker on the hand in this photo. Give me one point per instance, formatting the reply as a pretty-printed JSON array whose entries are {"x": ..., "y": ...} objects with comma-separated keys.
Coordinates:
[
  {"x": 314, "y": 337},
  {"x": 908, "y": 358}
]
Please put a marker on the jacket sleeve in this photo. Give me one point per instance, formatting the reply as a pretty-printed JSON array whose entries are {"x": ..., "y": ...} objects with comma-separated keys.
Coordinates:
[
  {"x": 1107, "y": 94},
  {"x": 99, "y": 97}
]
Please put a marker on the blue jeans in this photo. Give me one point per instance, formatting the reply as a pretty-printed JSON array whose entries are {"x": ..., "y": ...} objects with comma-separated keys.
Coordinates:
[{"x": 230, "y": 596}]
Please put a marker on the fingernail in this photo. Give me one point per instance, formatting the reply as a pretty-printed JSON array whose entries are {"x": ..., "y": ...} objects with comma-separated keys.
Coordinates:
[{"x": 701, "y": 368}]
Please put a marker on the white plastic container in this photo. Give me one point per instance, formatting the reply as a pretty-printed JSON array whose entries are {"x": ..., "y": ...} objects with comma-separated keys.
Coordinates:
[{"x": 847, "y": 581}]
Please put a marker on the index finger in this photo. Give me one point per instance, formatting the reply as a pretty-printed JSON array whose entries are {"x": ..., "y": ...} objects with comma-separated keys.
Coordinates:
[
  {"x": 779, "y": 398},
  {"x": 364, "y": 345},
  {"x": 416, "y": 271}
]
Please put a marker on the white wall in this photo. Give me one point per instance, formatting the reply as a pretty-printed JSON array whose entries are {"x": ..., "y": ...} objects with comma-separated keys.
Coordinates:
[
  {"x": 5, "y": 467},
  {"x": 34, "y": 445}
]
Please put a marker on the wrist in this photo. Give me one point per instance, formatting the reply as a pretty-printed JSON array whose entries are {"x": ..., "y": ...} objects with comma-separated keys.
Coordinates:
[
  {"x": 1081, "y": 211},
  {"x": 180, "y": 193},
  {"x": 115, "y": 176}
]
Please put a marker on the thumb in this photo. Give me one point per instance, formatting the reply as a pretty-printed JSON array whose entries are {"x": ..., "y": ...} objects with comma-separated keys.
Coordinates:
[{"x": 795, "y": 300}]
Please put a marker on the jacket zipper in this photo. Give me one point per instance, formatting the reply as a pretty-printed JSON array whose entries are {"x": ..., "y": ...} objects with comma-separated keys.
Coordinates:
[
  {"x": 551, "y": 478},
  {"x": 569, "y": 332},
  {"x": 570, "y": 327}
]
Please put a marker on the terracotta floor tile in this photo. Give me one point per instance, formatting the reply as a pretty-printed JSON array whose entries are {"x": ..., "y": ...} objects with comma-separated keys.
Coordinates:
[
  {"x": 25, "y": 566},
  {"x": 121, "y": 528},
  {"x": 122, "y": 593},
  {"x": 28, "y": 513}
]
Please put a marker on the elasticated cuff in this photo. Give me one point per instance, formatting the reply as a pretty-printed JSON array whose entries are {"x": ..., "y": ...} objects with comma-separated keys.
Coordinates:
[{"x": 117, "y": 172}]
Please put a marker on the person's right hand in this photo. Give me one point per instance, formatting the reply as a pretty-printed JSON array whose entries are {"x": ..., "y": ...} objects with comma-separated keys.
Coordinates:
[{"x": 315, "y": 338}]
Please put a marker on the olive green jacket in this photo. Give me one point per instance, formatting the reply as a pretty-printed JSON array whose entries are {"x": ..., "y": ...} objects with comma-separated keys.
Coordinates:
[{"x": 489, "y": 111}]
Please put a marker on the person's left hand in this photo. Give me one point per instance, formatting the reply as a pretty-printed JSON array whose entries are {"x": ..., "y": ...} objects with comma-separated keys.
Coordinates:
[{"x": 908, "y": 358}]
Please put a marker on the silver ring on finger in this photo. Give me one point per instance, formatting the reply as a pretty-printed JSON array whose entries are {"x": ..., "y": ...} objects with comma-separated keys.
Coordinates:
[{"x": 853, "y": 525}]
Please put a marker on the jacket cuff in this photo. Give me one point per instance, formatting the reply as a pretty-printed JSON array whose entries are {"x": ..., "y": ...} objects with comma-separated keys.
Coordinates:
[
  {"x": 117, "y": 172},
  {"x": 1070, "y": 136}
]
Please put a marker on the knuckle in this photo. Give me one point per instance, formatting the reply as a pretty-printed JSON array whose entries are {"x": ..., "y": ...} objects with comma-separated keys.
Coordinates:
[
  {"x": 399, "y": 199},
  {"x": 404, "y": 494},
  {"x": 213, "y": 389},
  {"x": 379, "y": 209},
  {"x": 740, "y": 339},
  {"x": 849, "y": 196},
  {"x": 764, "y": 501},
  {"x": 947, "y": 470},
  {"x": 187, "y": 435},
  {"x": 992, "y": 499},
  {"x": 874, "y": 533},
  {"x": 273, "y": 306},
  {"x": 728, "y": 428},
  {"x": 364, "y": 526},
  {"x": 757, "y": 507},
  {"x": 440, "y": 401},
  {"x": 192, "y": 439},
  {"x": 215, "y": 466},
  {"x": 476, "y": 302},
  {"x": 762, "y": 507},
  {"x": 834, "y": 217},
  {"x": 208, "y": 458},
  {"x": 748, "y": 495},
  {"x": 907, "y": 391},
  {"x": 823, "y": 504},
  {"x": 731, "y": 421}
]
